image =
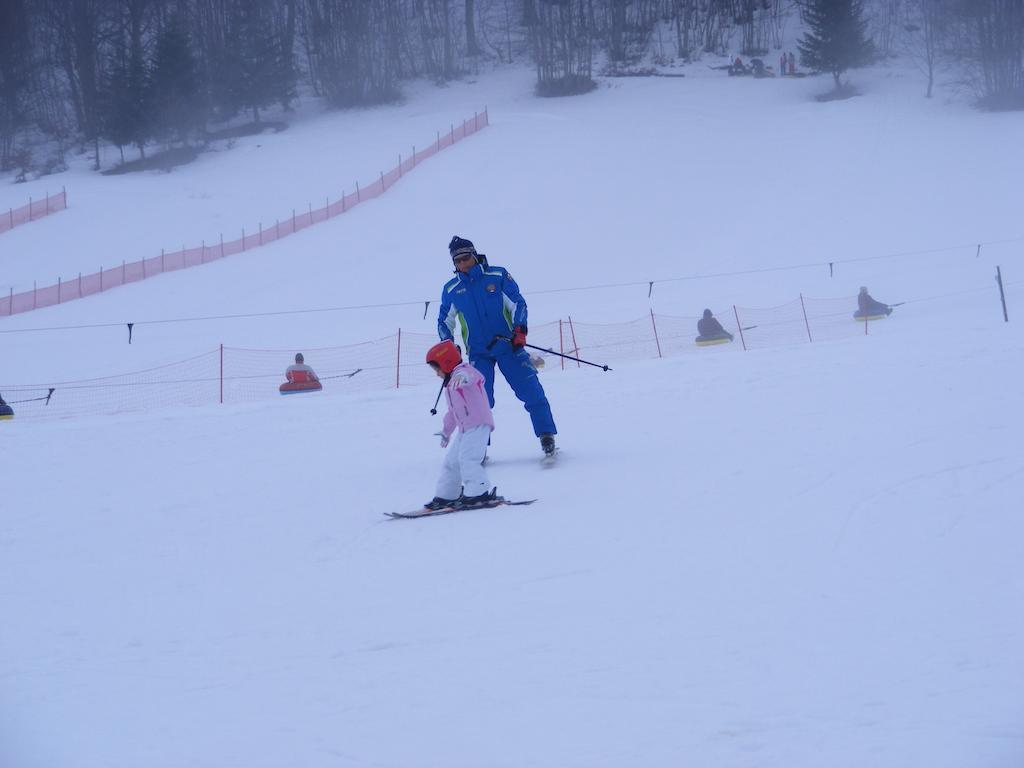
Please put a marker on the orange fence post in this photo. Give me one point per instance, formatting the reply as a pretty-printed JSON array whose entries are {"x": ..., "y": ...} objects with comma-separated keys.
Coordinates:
[
  {"x": 575, "y": 346},
  {"x": 655, "y": 326},
  {"x": 561, "y": 342},
  {"x": 398, "y": 361},
  {"x": 740, "y": 326},
  {"x": 804, "y": 308}
]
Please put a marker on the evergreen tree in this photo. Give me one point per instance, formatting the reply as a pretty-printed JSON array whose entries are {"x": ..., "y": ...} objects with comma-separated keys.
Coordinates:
[
  {"x": 125, "y": 106},
  {"x": 262, "y": 74},
  {"x": 174, "y": 87},
  {"x": 837, "y": 38}
]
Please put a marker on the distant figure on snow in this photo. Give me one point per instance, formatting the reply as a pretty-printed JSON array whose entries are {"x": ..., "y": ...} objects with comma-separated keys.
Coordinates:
[
  {"x": 301, "y": 378},
  {"x": 792, "y": 63},
  {"x": 738, "y": 68},
  {"x": 710, "y": 329},
  {"x": 868, "y": 307}
]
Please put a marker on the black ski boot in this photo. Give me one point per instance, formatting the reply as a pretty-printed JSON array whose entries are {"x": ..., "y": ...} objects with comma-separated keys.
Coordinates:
[
  {"x": 547, "y": 442},
  {"x": 438, "y": 503},
  {"x": 478, "y": 501}
]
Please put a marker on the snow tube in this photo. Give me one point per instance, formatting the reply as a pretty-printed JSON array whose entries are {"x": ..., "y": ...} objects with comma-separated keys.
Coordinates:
[
  {"x": 298, "y": 387},
  {"x": 707, "y": 341},
  {"x": 874, "y": 314},
  {"x": 6, "y": 412}
]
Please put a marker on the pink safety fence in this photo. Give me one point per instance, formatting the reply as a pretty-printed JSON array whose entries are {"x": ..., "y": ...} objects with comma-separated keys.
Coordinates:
[
  {"x": 36, "y": 209},
  {"x": 234, "y": 375},
  {"x": 130, "y": 272}
]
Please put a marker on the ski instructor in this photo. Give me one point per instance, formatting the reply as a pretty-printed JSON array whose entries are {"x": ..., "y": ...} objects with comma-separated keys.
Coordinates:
[{"x": 487, "y": 303}]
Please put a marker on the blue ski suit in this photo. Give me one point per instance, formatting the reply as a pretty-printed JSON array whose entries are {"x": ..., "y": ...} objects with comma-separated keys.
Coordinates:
[{"x": 486, "y": 302}]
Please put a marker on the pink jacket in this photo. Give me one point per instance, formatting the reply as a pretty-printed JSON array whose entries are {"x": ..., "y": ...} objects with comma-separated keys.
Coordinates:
[{"x": 467, "y": 401}]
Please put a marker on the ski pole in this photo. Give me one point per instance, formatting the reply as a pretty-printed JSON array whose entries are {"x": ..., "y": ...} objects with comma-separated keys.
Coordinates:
[
  {"x": 898, "y": 304},
  {"x": 433, "y": 411},
  {"x": 748, "y": 328},
  {"x": 549, "y": 351}
]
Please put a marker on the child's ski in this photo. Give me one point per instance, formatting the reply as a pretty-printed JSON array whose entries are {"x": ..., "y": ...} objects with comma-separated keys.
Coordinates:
[{"x": 448, "y": 510}]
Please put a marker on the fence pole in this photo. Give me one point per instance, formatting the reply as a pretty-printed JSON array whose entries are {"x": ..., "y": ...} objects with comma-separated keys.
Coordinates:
[
  {"x": 30, "y": 209},
  {"x": 10, "y": 298},
  {"x": 451, "y": 138},
  {"x": 34, "y": 304},
  {"x": 202, "y": 255},
  {"x": 222, "y": 374},
  {"x": 11, "y": 214},
  {"x": 382, "y": 187},
  {"x": 399, "y": 166},
  {"x": 58, "y": 290},
  {"x": 438, "y": 143},
  {"x": 476, "y": 126},
  {"x": 739, "y": 325},
  {"x": 413, "y": 155},
  {"x": 243, "y": 234},
  {"x": 655, "y": 326},
  {"x": 222, "y": 245},
  {"x": 398, "y": 361},
  {"x": 80, "y": 284},
  {"x": 358, "y": 198},
  {"x": 124, "y": 273},
  {"x": 343, "y": 201},
  {"x": 101, "y": 279},
  {"x": 47, "y": 202},
  {"x": 561, "y": 342},
  {"x": 575, "y": 346},
  {"x": 293, "y": 220},
  {"x": 261, "y": 233},
  {"x": 865, "y": 325},
  {"x": 277, "y": 228},
  {"x": 804, "y": 308},
  {"x": 1002, "y": 296}
]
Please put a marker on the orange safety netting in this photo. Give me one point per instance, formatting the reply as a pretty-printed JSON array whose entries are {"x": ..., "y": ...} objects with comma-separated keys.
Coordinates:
[
  {"x": 86, "y": 285},
  {"x": 36, "y": 209}
]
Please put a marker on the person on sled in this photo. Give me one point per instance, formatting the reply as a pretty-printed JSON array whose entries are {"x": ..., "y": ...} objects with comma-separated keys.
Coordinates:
[
  {"x": 868, "y": 307},
  {"x": 709, "y": 328},
  {"x": 300, "y": 373},
  {"x": 465, "y": 433},
  {"x": 488, "y": 303}
]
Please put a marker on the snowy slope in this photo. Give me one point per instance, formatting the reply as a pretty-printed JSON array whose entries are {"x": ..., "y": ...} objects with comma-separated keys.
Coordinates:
[{"x": 799, "y": 556}]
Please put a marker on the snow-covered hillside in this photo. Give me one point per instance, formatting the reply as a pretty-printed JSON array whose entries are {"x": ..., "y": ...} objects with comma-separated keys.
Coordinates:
[{"x": 800, "y": 555}]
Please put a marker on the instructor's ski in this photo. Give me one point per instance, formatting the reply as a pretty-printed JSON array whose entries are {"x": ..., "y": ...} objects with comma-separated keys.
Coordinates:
[{"x": 448, "y": 510}]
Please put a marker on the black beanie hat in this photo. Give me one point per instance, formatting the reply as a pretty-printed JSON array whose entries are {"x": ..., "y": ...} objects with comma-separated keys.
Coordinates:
[{"x": 460, "y": 244}]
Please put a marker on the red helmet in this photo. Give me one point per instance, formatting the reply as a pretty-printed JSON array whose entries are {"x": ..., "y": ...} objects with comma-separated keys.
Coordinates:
[{"x": 445, "y": 355}]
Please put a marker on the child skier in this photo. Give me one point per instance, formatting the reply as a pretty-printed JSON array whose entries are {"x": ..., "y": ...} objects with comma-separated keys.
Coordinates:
[{"x": 470, "y": 411}]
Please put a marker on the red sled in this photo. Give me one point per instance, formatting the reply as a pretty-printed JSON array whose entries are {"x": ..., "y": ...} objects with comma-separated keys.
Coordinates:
[{"x": 298, "y": 387}]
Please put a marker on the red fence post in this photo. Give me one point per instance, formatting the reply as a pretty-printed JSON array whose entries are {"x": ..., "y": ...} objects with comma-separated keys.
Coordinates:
[
  {"x": 740, "y": 326},
  {"x": 222, "y": 374},
  {"x": 575, "y": 346},
  {"x": 561, "y": 342},
  {"x": 655, "y": 326},
  {"x": 804, "y": 308},
  {"x": 398, "y": 361}
]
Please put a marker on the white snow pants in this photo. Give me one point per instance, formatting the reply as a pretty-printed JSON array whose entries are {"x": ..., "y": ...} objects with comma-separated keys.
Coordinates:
[{"x": 462, "y": 467}]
